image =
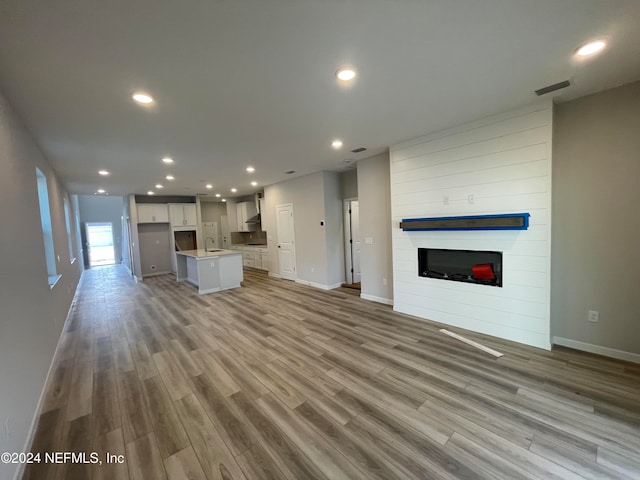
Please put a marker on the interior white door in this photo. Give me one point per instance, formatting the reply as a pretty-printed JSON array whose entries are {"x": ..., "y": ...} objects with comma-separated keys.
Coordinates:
[
  {"x": 286, "y": 241},
  {"x": 355, "y": 238},
  {"x": 226, "y": 233}
]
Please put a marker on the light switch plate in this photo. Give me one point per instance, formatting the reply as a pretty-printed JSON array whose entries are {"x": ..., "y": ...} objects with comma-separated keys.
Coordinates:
[{"x": 368, "y": 240}]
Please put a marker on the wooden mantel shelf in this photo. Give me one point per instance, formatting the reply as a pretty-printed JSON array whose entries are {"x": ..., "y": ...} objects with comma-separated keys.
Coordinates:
[{"x": 507, "y": 221}]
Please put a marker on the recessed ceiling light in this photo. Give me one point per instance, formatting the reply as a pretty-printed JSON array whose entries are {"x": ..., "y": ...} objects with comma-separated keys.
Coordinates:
[
  {"x": 590, "y": 48},
  {"x": 251, "y": 169},
  {"x": 101, "y": 190},
  {"x": 218, "y": 195},
  {"x": 159, "y": 186},
  {"x": 103, "y": 172},
  {"x": 346, "y": 74},
  {"x": 336, "y": 144},
  {"x": 254, "y": 184},
  {"x": 167, "y": 160},
  {"x": 150, "y": 193},
  {"x": 234, "y": 190},
  {"x": 142, "y": 98},
  {"x": 208, "y": 185},
  {"x": 170, "y": 177},
  {"x": 224, "y": 199}
]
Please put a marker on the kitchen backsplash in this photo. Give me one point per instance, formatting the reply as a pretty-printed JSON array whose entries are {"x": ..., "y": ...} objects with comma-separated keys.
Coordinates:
[{"x": 242, "y": 238}]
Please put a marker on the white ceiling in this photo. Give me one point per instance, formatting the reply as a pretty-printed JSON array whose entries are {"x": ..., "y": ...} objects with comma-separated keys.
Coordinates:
[{"x": 251, "y": 82}]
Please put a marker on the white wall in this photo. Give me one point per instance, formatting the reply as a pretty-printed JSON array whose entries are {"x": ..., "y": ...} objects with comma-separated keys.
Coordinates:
[
  {"x": 126, "y": 240},
  {"x": 504, "y": 161},
  {"x": 596, "y": 226},
  {"x": 349, "y": 183},
  {"x": 334, "y": 228},
  {"x": 31, "y": 314},
  {"x": 374, "y": 200},
  {"x": 155, "y": 248},
  {"x": 315, "y": 253}
]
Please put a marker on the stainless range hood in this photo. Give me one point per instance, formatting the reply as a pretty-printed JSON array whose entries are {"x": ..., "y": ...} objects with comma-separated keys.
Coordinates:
[{"x": 254, "y": 219}]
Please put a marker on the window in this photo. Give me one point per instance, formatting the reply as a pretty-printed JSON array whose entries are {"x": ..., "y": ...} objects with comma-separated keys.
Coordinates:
[
  {"x": 47, "y": 231},
  {"x": 67, "y": 219}
]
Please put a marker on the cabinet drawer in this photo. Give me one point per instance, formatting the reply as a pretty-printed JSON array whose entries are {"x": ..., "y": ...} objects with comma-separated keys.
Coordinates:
[{"x": 249, "y": 262}]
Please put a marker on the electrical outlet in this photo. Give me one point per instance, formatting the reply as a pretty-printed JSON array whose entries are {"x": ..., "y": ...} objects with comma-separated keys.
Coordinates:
[
  {"x": 384, "y": 281},
  {"x": 313, "y": 269},
  {"x": 445, "y": 200},
  {"x": 593, "y": 316},
  {"x": 472, "y": 200}
]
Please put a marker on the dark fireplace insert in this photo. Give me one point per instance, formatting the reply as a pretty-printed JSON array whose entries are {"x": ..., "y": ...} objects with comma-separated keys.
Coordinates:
[{"x": 469, "y": 266}]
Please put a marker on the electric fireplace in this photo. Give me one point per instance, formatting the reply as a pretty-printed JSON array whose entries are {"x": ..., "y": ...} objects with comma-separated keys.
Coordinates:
[{"x": 469, "y": 266}]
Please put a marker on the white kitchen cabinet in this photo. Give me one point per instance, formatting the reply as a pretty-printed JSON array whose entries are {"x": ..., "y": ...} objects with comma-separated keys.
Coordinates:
[
  {"x": 244, "y": 211},
  {"x": 231, "y": 217},
  {"x": 183, "y": 214},
  {"x": 258, "y": 261},
  {"x": 254, "y": 257},
  {"x": 153, "y": 213},
  {"x": 264, "y": 261}
]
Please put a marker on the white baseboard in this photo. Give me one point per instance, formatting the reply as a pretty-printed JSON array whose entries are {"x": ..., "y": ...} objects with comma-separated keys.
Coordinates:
[
  {"x": 319, "y": 285},
  {"x": 154, "y": 274},
  {"x": 36, "y": 416},
  {"x": 373, "y": 298},
  {"x": 597, "y": 349}
]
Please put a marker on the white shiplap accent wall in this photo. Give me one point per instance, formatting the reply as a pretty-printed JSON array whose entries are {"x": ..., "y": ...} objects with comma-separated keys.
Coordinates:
[{"x": 504, "y": 162}]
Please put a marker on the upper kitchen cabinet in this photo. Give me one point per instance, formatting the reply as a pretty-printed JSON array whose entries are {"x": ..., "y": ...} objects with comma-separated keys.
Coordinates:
[
  {"x": 244, "y": 211},
  {"x": 183, "y": 214},
  {"x": 153, "y": 213}
]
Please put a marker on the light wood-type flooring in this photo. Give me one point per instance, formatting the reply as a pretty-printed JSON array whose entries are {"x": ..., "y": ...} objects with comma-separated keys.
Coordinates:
[{"x": 281, "y": 381}]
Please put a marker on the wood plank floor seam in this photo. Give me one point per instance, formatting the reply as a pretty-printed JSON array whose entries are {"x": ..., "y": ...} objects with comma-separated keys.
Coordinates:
[{"x": 277, "y": 380}]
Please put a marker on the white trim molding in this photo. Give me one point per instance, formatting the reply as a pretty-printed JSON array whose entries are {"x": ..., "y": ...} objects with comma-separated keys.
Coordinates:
[
  {"x": 597, "y": 349},
  {"x": 373, "y": 298},
  {"x": 318, "y": 285}
]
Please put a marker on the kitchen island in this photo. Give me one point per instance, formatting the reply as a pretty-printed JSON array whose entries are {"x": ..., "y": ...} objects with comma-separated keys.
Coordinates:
[{"x": 210, "y": 271}]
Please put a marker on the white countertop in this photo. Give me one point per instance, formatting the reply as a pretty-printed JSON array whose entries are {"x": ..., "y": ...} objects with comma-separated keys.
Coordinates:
[{"x": 204, "y": 254}]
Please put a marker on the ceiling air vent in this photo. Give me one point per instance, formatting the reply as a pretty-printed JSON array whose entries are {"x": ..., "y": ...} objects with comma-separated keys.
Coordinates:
[
  {"x": 358, "y": 150},
  {"x": 553, "y": 88}
]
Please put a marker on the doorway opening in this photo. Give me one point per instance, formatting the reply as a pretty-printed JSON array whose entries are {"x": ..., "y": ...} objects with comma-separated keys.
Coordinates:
[
  {"x": 100, "y": 244},
  {"x": 352, "y": 243}
]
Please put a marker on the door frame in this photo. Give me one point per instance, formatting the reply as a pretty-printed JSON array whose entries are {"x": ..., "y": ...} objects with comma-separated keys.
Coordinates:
[
  {"x": 87, "y": 227},
  {"x": 295, "y": 269},
  {"x": 348, "y": 247}
]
